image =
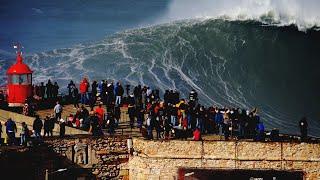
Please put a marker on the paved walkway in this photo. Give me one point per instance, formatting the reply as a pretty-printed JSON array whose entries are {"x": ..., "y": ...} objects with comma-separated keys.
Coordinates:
[{"x": 123, "y": 128}]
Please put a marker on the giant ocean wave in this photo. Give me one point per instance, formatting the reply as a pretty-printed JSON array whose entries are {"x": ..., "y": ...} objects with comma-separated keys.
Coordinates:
[
  {"x": 230, "y": 63},
  {"x": 242, "y": 53}
]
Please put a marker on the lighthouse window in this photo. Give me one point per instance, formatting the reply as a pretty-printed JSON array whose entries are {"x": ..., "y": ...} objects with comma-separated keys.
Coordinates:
[
  {"x": 15, "y": 79},
  {"x": 23, "y": 79},
  {"x": 20, "y": 79}
]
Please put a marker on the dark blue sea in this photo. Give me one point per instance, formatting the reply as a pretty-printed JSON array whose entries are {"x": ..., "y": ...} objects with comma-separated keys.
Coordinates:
[{"x": 245, "y": 54}]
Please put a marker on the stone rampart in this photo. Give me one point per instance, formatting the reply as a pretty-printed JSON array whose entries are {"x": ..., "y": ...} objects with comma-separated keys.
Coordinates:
[{"x": 162, "y": 159}]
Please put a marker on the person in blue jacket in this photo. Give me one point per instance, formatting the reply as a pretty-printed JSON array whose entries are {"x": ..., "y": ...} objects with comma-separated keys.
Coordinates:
[
  {"x": 11, "y": 130},
  {"x": 260, "y": 132},
  {"x": 218, "y": 120}
]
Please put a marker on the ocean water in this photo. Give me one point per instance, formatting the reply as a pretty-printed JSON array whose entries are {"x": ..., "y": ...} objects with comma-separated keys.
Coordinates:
[{"x": 243, "y": 54}]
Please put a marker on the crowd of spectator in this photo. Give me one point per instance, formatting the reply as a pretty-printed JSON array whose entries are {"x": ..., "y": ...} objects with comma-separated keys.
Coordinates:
[
  {"x": 48, "y": 91},
  {"x": 168, "y": 117}
]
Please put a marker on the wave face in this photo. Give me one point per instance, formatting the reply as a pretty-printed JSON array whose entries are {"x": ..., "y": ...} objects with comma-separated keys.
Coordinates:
[{"x": 230, "y": 63}]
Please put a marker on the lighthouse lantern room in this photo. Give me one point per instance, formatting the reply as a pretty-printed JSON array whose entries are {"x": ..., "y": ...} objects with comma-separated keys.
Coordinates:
[{"x": 19, "y": 86}]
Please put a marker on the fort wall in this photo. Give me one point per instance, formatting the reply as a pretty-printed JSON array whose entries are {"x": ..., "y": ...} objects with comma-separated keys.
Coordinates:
[{"x": 162, "y": 159}]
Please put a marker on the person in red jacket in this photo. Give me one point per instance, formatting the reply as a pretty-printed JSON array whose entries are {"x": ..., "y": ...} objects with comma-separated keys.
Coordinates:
[
  {"x": 100, "y": 113},
  {"x": 197, "y": 134},
  {"x": 84, "y": 86}
]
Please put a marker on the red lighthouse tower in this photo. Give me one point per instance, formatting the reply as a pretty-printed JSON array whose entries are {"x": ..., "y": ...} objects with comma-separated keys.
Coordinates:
[{"x": 19, "y": 86}]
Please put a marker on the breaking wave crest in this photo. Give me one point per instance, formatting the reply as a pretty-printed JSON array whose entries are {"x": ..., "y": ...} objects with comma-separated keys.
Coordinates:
[{"x": 304, "y": 14}]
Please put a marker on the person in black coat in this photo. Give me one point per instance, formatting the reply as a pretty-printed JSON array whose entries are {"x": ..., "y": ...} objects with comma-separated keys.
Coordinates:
[
  {"x": 62, "y": 124},
  {"x": 46, "y": 126},
  {"x": 75, "y": 96},
  {"x": 131, "y": 110},
  {"x": 303, "y": 124},
  {"x": 37, "y": 126},
  {"x": 95, "y": 127}
]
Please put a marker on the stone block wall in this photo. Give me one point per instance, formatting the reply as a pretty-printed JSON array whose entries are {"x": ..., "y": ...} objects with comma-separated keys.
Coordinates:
[
  {"x": 107, "y": 157},
  {"x": 162, "y": 159}
]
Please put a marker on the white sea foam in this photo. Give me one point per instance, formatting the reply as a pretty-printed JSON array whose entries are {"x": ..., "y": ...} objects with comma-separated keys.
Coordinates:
[{"x": 304, "y": 14}]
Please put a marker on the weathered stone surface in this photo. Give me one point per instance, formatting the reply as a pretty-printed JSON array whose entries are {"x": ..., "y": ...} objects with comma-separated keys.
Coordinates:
[
  {"x": 106, "y": 155},
  {"x": 259, "y": 151},
  {"x": 142, "y": 168},
  {"x": 218, "y": 163},
  {"x": 161, "y": 160},
  {"x": 218, "y": 149},
  {"x": 172, "y": 148},
  {"x": 259, "y": 164},
  {"x": 301, "y": 151}
]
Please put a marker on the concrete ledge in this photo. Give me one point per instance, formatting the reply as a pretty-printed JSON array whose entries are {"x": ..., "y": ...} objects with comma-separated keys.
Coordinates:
[
  {"x": 19, "y": 118},
  {"x": 170, "y": 149}
]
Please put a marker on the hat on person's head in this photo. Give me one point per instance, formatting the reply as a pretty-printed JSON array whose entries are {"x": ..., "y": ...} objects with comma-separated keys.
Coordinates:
[{"x": 247, "y": 112}]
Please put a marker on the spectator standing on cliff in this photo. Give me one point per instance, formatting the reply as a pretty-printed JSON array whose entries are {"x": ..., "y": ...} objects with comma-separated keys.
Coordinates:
[
  {"x": 260, "y": 132},
  {"x": 99, "y": 89},
  {"x": 95, "y": 128},
  {"x": 100, "y": 114},
  {"x": 51, "y": 125},
  {"x": 137, "y": 92},
  {"x": 49, "y": 89},
  {"x": 117, "y": 115},
  {"x": 57, "y": 111},
  {"x": 11, "y": 130},
  {"x": 62, "y": 124},
  {"x": 197, "y": 134},
  {"x": 24, "y": 135},
  {"x": 37, "y": 126},
  {"x": 128, "y": 90},
  {"x": 119, "y": 93},
  {"x": 26, "y": 109},
  {"x": 303, "y": 125},
  {"x": 226, "y": 125},
  {"x": 110, "y": 123},
  {"x": 46, "y": 126},
  {"x": 71, "y": 85},
  {"x": 110, "y": 97},
  {"x": 131, "y": 110},
  {"x": 218, "y": 118},
  {"x": 140, "y": 117},
  {"x": 42, "y": 90},
  {"x": 55, "y": 90},
  {"x": 149, "y": 126},
  {"x": 193, "y": 98},
  {"x": 93, "y": 96},
  {"x": 75, "y": 96},
  {"x": 104, "y": 91},
  {"x": 84, "y": 86},
  {"x": 2, "y": 100}
]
